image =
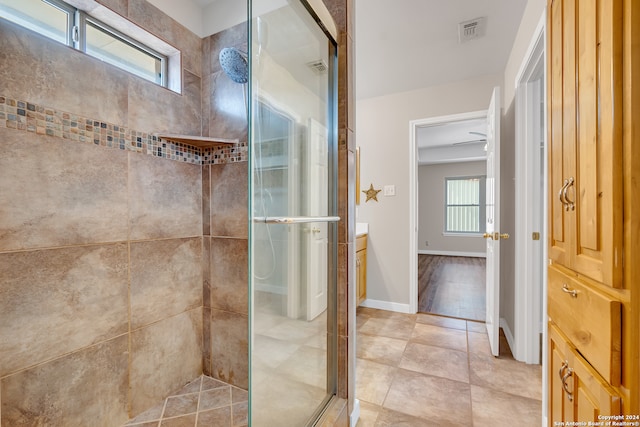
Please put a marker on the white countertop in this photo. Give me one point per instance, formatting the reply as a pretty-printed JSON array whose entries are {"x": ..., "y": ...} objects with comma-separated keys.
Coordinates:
[{"x": 362, "y": 228}]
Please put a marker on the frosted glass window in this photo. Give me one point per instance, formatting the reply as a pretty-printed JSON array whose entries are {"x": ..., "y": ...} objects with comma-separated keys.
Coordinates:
[
  {"x": 52, "y": 20},
  {"x": 465, "y": 204},
  {"x": 106, "y": 44}
]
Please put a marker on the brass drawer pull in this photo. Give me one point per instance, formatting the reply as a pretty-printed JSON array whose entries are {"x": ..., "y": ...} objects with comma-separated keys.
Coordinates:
[
  {"x": 572, "y": 292},
  {"x": 562, "y": 194},
  {"x": 564, "y": 366},
  {"x": 565, "y": 387},
  {"x": 570, "y": 203}
]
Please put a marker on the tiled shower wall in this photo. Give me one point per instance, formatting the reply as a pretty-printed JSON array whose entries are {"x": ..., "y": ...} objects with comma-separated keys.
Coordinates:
[
  {"x": 101, "y": 249},
  {"x": 225, "y": 227},
  {"x": 95, "y": 242}
]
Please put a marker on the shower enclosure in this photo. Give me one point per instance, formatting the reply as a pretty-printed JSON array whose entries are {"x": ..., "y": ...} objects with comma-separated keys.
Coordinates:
[{"x": 292, "y": 238}]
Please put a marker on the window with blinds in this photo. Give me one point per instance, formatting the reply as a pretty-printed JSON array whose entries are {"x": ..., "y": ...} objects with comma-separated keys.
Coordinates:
[{"x": 465, "y": 199}]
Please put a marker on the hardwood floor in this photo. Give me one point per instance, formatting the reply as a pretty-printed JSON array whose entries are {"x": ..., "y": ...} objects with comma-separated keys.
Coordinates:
[{"x": 452, "y": 286}]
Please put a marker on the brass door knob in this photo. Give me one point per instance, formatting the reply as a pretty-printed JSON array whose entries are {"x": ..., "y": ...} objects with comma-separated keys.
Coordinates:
[{"x": 496, "y": 236}]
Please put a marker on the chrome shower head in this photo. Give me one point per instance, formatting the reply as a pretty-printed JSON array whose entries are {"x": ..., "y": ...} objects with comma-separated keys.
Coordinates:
[{"x": 234, "y": 64}]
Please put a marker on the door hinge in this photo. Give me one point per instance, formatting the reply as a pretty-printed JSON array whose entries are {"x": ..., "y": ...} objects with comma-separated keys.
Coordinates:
[{"x": 535, "y": 235}]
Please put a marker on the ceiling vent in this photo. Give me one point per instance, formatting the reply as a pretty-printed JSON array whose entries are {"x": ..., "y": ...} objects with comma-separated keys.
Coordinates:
[
  {"x": 319, "y": 66},
  {"x": 472, "y": 29}
]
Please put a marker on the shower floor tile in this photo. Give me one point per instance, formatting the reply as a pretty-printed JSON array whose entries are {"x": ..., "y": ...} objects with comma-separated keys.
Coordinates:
[{"x": 203, "y": 402}]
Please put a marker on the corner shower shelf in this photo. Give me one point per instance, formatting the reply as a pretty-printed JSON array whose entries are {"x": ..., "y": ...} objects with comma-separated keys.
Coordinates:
[{"x": 197, "y": 141}]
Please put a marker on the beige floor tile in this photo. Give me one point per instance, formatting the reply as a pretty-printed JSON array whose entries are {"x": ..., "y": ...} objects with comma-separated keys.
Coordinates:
[
  {"x": 368, "y": 414},
  {"x": 505, "y": 374},
  {"x": 440, "y": 337},
  {"x": 389, "y": 418},
  {"x": 214, "y": 417},
  {"x": 184, "y": 421},
  {"x": 306, "y": 365},
  {"x": 476, "y": 326},
  {"x": 445, "y": 322},
  {"x": 181, "y": 405},
  {"x": 392, "y": 327},
  {"x": 373, "y": 381},
  {"x": 479, "y": 343},
  {"x": 493, "y": 408},
  {"x": 436, "y": 361},
  {"x": 383, "y": 350},
  {"x": 431, "y": 398}
]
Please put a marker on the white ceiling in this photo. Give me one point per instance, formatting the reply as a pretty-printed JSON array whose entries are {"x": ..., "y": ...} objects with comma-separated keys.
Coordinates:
[
  {"x": 403, "y": 45},
  {"x": 411, "y": 44},
  {"x": 452, "y": 142}
]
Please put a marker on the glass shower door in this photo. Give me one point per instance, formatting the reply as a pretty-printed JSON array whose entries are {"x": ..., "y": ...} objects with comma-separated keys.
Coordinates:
[{"x": 293, "y": 231}]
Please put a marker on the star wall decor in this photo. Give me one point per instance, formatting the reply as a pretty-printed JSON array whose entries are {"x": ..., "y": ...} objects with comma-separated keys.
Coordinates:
[{"x": 372, "y": 194}]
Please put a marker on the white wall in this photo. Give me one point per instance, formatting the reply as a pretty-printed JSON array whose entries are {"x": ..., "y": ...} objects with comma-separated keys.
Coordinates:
[
  {"x": 431, "y": 209},
  {"x": 383, "y": 134},
  {"x": 528, "y": 25},
  {"x": 186, "y": 12}
]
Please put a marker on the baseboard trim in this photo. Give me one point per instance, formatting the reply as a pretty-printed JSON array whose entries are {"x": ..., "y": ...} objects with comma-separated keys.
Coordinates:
[
  {"x": 387, "y": 305},
  {"x": 355, "y": 414},
  {"x": 508, "y": 334},
  {"x": 453, "y": 253}
]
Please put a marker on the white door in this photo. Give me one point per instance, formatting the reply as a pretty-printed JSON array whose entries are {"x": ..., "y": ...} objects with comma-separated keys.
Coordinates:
[
  {"x": 492, "y": 234},
  {"x": 317, "y": 232}
]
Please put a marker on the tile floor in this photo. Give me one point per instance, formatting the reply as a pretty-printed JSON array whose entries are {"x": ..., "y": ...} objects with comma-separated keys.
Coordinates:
[
  {"x": 424, "y": 370},
  {"x": 203, "y": 402}
]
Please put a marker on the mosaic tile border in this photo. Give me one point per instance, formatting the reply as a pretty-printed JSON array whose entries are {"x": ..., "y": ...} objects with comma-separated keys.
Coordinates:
[{"x": 30, "y": 117}]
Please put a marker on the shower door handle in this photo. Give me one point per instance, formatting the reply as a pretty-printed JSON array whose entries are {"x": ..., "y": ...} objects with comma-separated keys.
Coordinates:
[{"x": 294, "y": 219}]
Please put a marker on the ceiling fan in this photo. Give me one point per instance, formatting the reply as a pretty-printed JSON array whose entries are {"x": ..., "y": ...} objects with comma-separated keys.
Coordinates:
[{"x": 473, "y": 141}]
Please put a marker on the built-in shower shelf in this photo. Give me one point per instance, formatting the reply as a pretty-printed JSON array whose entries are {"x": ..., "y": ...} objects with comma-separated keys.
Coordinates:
[{"x": 197, "y": 141}]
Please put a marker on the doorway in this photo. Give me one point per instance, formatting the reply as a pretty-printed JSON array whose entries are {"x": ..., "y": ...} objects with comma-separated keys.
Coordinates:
[{"x": 450, "y": 204}]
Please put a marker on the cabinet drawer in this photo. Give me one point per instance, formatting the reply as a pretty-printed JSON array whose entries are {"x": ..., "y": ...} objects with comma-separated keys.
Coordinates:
[
  {"x": 590, "y": 319},
  {"x": 361, "y": 242}
]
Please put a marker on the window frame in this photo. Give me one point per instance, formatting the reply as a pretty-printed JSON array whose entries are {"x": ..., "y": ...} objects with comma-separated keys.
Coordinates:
[
  {"x": 77, "y": 21},
  {"x": 83, "y": 19},
  {"x": 482, "y": 205}
]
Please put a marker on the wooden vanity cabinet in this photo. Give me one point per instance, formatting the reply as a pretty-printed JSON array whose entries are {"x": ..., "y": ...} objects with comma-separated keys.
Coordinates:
[{"x": 361, "y": 267}]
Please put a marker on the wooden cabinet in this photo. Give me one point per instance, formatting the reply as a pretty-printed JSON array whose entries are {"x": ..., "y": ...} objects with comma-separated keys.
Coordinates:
[
  {"x": 577, "y": 391},
  {"x": 585, "y": 137},
  {"x": 361, "y": 267},
  {"x": 593, "y": 106}
]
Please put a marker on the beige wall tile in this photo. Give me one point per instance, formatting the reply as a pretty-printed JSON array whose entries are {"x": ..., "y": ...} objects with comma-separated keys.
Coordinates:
[
  {"x": 54, "y": 192},
  {"x": 230, "y": 347},
  {"x": 158, "y": 23},
  {"x": 235, "y": 36},
  {"x": 166, "y": 279},
  {"x": 206, "y": 200},
  {"x": 88, "y": 387},
  {"x": 169, "y": 111},
  {"x": 228, "y": 111},
  {"x": 229, "y": 275},
  {"x": 118, "y": 6},
  {"x": 164, "y": 357},
  {"x": 229, "y": 189},
  {"x": 45, "y": 72},
  {"x": 59, "y": 300},
  {"x": 165, "y": 198}
]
